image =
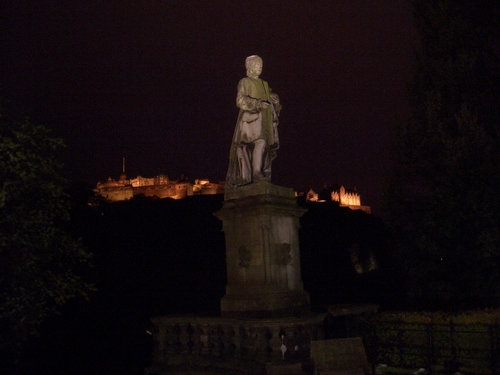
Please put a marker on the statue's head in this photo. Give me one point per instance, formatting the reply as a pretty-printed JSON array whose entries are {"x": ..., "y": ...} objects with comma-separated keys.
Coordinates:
[{"x": 254, "y": 66}]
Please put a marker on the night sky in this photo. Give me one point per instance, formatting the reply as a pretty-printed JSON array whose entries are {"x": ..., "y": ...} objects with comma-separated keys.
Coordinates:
[{"x": 155, "y": 82}]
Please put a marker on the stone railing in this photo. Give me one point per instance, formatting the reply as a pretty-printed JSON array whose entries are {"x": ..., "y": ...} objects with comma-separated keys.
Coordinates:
[{"x": 182, "y": 339}]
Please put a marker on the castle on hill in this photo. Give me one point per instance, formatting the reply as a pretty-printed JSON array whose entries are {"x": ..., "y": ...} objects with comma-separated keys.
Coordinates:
[{"x": 162, "y": 187}]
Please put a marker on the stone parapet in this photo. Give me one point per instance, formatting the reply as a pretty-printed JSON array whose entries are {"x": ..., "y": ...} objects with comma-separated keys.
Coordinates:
[{"x": 252, "y": 345}]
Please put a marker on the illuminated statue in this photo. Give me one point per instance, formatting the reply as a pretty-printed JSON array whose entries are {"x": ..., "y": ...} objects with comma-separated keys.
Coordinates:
[{"x": 255, "y": 140}]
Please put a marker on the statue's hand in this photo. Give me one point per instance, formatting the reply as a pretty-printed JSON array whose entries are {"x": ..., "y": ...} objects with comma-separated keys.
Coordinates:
[{"x": 264, "y": 104}]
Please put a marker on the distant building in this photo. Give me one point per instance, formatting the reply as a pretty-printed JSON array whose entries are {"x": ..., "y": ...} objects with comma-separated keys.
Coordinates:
[
  {"x": 344, "y": 196},
  {"x": 160, "y": 186}
]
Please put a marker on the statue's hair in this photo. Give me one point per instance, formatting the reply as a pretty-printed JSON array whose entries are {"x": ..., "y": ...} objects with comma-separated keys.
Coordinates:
[{"x": 250, "y": 60}]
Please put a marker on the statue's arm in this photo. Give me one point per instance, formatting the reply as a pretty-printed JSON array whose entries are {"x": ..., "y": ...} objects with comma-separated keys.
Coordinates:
[
  {"x": 276, "y": 102},
  {"x": 244, "y": 100}
]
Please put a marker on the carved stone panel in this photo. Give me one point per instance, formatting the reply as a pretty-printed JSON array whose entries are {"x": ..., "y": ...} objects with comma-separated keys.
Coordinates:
[{"x": 282, "y": 254}]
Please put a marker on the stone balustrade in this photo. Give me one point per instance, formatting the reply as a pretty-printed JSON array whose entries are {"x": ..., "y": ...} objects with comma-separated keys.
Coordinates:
[{"x": 182, "y": 339}]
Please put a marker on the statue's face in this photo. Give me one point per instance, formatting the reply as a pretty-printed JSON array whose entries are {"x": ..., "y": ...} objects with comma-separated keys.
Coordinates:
[{"x": 256, "y": 68}]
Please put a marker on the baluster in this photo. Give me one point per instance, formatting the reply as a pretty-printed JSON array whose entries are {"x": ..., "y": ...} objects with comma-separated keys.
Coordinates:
[
  {"x": 286, "y": 337},
  {"x": 197, "y": 345},
  {"x": 430, "y": 348},
  {"x": 243, "y": 341},
  {"x": 231, "y": 341},
  {"x": 161, "y": 343},
  {"x": 215, "y": 340},
  {"x": 266, "y": 345},
  {"x": 301, "y": 342},
  {"x": 171, "y": 339},
  {"x": 274, "y": 343},
  {"x": 236, "y": 340},
  {"x": 493, "y": 333},
  {"x": 262, "y": 344},
  {"x": 253, "y": 343},
  {"x": 453, "y": 348},
  {"x": 204, "y": 339},
  {"x": 184, "y": 338}
]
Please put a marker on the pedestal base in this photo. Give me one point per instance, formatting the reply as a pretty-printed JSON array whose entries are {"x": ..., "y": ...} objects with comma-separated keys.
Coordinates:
[{"x": 260, "y": 223}]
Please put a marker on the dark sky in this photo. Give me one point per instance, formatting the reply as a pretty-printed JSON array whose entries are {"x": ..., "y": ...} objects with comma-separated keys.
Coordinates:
[{"x": 155, "y": 81}]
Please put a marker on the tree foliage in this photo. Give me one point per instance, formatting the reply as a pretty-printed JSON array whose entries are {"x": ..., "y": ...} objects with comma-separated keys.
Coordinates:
[
  {"x": 38, "y": 259},
  {"x": 443, "y": 199}
]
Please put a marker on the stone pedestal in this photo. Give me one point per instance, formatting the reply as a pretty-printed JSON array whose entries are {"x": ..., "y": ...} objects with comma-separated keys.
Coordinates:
[{"x": 261, "y": 222}]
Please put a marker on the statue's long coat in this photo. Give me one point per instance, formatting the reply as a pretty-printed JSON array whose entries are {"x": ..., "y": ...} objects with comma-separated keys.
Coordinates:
[{"x": 250, "y": 92}]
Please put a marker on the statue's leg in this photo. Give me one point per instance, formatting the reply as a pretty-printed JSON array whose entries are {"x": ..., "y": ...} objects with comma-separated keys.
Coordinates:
[
  {"x": 244, "y": 164},
  {"x": 257, "y": 158},
  {"x": 266, "y": 169}
]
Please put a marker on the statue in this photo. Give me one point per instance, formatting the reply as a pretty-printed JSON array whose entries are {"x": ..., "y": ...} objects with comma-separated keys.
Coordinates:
[{"x": 255, "y": 141}]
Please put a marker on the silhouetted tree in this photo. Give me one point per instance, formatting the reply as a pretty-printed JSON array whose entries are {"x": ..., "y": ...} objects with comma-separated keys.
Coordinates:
[
  {"x": 443, "y": 199},
  {"x": 38, "y": 259}
]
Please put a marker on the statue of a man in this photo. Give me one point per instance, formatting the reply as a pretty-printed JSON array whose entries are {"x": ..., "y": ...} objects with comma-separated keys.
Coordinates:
[{"x": 255, "y": 140}]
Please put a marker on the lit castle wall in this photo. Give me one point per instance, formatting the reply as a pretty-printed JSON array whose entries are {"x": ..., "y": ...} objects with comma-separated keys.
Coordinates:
[
  {"x": 345, "y": 197},
  {"x": 160, "y": 186}
]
